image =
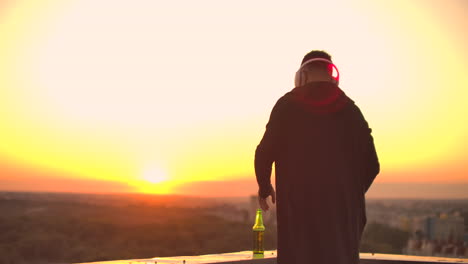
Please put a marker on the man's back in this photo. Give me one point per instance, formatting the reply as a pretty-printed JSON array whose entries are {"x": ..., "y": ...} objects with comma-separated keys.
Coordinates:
[{"x": 325, "y": 161}]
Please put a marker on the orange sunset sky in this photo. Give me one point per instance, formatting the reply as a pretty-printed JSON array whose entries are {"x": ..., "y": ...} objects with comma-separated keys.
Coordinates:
[{"x": 172, "y": 97}]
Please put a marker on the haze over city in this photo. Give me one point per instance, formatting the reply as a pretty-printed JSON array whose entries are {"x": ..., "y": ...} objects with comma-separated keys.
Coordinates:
[{"x": 173, "y": 98}]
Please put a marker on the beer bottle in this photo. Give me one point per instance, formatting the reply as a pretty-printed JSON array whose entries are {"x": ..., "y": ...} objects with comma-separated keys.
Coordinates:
[{"x": 258, "y": 233}]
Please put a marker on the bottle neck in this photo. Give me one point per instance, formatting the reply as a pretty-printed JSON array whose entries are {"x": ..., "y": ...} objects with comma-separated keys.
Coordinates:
[{"x": 258, "y": 226}]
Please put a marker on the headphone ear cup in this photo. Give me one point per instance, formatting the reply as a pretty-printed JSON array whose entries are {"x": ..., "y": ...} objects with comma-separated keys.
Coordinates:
[
  {"x": 333, "y": 70},
  {"x": 330, "y": 69},
  {"x": 297, "y": 79}
]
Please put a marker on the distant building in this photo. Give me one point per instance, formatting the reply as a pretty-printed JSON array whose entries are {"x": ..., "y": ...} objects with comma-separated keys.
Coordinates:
[
  {"x": 441, "y": 235},
  {"x": 445, "y": 227}
]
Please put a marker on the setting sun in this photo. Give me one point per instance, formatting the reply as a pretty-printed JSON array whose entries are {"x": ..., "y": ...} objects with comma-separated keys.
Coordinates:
[
  {"x": 154, "y": 179},
  {"x": 155, "y": 175}
]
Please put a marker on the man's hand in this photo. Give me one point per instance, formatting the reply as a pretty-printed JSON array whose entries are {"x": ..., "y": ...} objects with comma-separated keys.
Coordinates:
[{"x": 263, "y": 201}]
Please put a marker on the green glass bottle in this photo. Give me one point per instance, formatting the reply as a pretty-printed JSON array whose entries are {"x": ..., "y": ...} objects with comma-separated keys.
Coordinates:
[{"x": 258, "y": 234}]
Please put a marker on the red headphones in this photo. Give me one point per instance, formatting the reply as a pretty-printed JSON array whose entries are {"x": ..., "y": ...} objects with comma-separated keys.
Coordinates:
[{"x": 332, "y": 70}]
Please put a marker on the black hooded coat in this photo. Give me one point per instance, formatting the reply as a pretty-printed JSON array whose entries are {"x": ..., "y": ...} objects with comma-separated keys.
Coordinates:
[{"x": 325, "y": 161}]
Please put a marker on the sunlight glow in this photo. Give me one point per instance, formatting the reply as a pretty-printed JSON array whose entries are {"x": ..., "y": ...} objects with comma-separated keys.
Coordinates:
[
  {"x": 155, "y": 175},
  {"x": 97, "y": 92}
]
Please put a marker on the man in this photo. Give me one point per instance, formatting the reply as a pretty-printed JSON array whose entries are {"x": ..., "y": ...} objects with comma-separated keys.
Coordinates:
[{"x": 325, "y": 161}]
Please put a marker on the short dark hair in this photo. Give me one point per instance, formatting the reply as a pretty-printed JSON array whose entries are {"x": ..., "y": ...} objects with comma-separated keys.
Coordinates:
[
  {"x": 317, "y": 65},
  {"x": 316, "y": 54}
]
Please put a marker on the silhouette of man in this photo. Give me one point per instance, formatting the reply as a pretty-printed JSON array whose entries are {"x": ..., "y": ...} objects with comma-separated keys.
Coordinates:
[{"x": 325, "y": 161}]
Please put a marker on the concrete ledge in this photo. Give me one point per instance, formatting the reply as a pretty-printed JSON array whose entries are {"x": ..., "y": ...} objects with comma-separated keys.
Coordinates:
[
  {"x": 367, "y": 258},
  {"x": 245, "y": 257}
]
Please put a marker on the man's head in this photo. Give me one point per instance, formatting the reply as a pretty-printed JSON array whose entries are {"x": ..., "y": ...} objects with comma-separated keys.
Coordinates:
[
  {"x": 316, "y": 66},
  {"x": 316, "y": 54}
]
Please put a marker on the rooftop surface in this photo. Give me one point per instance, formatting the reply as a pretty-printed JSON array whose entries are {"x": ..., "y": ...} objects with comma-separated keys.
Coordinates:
[{"x": 245, "y": 257}]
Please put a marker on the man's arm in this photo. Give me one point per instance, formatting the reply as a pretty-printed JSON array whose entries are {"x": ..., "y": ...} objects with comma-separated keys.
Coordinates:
[
  {"x": 370, "y": 161},
  {"x": 266, "y": 152}
]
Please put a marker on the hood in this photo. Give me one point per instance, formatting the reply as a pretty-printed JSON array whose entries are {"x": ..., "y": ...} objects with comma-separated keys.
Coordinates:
[{"x": 321, "y": 97}]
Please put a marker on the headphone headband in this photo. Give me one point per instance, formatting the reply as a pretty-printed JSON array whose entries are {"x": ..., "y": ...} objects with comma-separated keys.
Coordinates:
[
  {"x": 313, "y": 60},
  {"x": 337, "y": 77},
  {"x": 332, "y": 66}
]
